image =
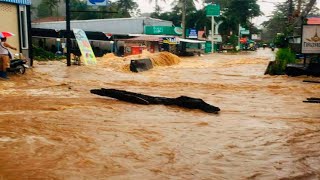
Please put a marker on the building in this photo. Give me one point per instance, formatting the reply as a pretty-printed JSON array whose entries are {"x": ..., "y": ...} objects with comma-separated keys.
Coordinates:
[
  {"x": 113, "y": 30},
  {"x": 123, "y": 36},
  {"x": 118, "y": 26},
  {"x": 15, "y": 18}
]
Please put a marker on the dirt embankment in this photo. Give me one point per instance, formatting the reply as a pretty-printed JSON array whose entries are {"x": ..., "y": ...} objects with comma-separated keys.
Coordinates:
[{"x": 123, "y": 63}]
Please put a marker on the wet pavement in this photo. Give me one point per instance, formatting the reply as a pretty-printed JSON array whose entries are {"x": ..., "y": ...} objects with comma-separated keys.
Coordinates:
[{"x": 53, "y": 128}]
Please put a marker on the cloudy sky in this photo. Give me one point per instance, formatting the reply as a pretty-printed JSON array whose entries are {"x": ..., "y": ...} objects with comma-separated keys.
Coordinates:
[{"x": 266, "y": 6}]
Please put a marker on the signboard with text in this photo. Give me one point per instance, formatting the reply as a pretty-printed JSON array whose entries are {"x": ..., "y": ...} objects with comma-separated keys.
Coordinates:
[
  {"x": 85, "y": 47},
  {"x": 162, "y": 30},
  {"x": 213, "y": 10},
  {"x": 170, "y": 40},
  {"x": 217, "y": 38},
  {"x": 310, "y": 39},
  {"x": 245, "y": 32},
  {"x": 313, "y": 20},
  {"x": 192, "y": 34},
  {"x": 256, "y": 36},
  {"x": 97, "y": 2}
]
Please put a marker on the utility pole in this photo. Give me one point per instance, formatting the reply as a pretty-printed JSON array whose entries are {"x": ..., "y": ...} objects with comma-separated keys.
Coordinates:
[
  {"x": 68, "y": 32},
  {"x": 184, "y": 19}
]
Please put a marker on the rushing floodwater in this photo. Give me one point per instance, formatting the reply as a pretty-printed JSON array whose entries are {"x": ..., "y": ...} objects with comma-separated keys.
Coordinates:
[{"x": 51, "y": 127}]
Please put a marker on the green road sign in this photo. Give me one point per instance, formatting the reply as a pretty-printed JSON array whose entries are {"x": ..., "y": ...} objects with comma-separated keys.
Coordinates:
[
  {"x": 213, "y": 10},
  {"x": 245, "y": 32},
  {"x": 162, "y": 30}
]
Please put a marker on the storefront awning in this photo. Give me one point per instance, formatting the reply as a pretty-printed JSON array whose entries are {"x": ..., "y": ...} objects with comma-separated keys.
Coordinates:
[
  {"x": 24, "y": 2},
  {"x": 144, "y": 38},
  {"x": 191, "y": 41}
]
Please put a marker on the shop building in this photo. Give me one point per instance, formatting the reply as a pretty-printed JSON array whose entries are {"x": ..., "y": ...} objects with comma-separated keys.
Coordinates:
[{"x": 15, "y": 18}]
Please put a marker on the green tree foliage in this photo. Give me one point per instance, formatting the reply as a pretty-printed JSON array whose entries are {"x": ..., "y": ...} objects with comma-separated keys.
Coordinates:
[
  {"x": 47, "y": 8},
  {"x": 125, "y": 7},
  {"x": 278, "y": 23},
  {"x": 233, "y": 12},
  {"x": 43, "y": 10},
  {"x": 176, "y": 14},
  {"x": 283, "y": 57},
  {"x": 283, "y": 21}
]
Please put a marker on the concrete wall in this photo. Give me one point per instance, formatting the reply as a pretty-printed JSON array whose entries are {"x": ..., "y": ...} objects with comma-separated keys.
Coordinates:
[{"x": 9, "y": 22}]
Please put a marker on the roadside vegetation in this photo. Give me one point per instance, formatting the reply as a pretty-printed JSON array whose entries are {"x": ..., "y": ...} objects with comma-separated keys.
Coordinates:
[
  {"x": 284, "y": 56},
  {"x": 40, "y": 54}
]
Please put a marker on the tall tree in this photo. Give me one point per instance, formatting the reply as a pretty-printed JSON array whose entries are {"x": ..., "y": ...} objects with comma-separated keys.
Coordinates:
[
  {"x": 52, "y": 5},
  {"x": 279, "y": 22},
  {"x": 126, "y": 7}
]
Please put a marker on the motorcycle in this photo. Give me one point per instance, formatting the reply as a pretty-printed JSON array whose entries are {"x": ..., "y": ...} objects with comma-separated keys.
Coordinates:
[{"x": 18, "y": 66}]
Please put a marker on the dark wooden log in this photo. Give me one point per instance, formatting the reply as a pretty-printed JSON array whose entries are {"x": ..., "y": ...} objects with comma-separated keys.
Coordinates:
[
  {"x": 313, "y": 98},
  {"x": 312, "y": 101},
  {"x": 195, "y": 103},
  {"x": 311, "y": 81},
  {"x": 182, "y": 101}
]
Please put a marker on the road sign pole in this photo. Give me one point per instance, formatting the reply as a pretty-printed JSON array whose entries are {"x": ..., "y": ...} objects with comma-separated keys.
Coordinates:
[
  {"x": 239, "y": 34},
  {"x": 212, "y": 33}
]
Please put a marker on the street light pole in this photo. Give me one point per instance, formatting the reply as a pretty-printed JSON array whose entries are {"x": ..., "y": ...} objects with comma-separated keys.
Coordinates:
[{"x": 212, "y": 34}]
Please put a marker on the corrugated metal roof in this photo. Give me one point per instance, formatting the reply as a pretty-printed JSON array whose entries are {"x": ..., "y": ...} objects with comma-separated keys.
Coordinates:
[
  {"x": 112, "y": 26},
  {"x": 25, "y": 2},
  {"x": 144, "y": 38}
]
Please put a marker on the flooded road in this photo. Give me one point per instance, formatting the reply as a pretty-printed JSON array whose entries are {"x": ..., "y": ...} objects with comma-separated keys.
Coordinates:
[{"x": 53, "y": 128}]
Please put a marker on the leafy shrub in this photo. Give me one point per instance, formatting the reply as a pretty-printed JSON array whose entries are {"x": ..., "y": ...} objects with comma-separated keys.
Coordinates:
[
  {"x": 42, "y": 55},
  {"x": 233, "y": 41},
  {"x": 283, "y": 57}
]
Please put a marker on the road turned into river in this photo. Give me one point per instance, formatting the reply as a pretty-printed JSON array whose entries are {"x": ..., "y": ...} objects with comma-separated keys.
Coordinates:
[{"x": 53, "y": 128}]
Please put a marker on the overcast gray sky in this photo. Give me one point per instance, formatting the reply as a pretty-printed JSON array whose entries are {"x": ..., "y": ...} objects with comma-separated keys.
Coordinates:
[{"x": 266, "y": 6}]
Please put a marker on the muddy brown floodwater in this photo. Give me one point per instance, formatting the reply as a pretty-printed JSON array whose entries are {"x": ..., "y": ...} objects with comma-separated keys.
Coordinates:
[{"x": 51, "y": 127}]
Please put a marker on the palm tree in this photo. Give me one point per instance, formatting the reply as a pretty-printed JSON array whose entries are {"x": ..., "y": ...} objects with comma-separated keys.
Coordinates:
[{"x": 182, "y": 5}]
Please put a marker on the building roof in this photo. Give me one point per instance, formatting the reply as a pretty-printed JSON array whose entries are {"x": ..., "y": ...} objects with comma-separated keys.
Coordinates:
[
  {"x": 191, "y": 40},
  {"x": 23, "y": 2},
  {"x": 113, "y": 26},
  {"x": 144, "y": 38},
  {"x": 49, "y": 19}
]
